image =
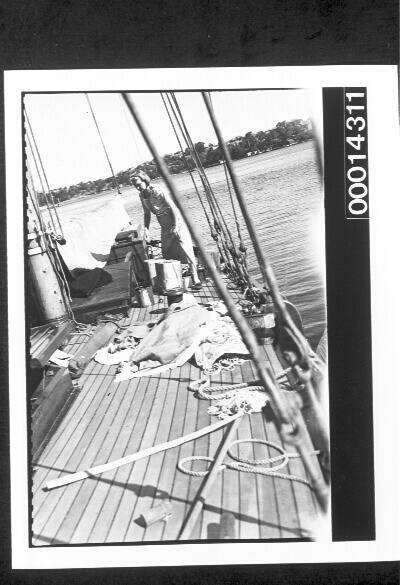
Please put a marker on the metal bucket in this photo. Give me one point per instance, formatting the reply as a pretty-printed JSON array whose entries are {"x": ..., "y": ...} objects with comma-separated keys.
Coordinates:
[{"x": 169, "y": 274}]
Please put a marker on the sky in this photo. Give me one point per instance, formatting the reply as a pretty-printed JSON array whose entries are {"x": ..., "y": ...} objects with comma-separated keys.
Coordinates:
[{"x": 71, "y": 150}]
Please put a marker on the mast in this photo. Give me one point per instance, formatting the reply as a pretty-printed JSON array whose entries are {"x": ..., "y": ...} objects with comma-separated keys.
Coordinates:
[{"x": 46, "y": 284}]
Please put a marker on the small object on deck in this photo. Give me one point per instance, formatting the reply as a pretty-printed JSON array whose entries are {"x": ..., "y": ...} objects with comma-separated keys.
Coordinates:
[
  {"x": 60, "y": 358},
  {"x": 151, "y": 267},
  {"x": 145, "y": 296},
  {"x": 227, "y": 527},
  {"x": 262, "y": 324},
  {"x": 187, "y": 282},
  {"x": 202, "y": 273},
  {"x": 101, "y": 336},
  {"x": 163, "y": 511},
  {"x": 175, "y": 296}
]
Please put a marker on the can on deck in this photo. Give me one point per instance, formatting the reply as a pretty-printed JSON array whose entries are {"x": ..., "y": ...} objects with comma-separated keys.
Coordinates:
[
  {"x": 175, "y": 296},
  {"x": 163, "y": 511},
  {"x": 169, "y": 275},
  {"x": 145, "y": 296}
]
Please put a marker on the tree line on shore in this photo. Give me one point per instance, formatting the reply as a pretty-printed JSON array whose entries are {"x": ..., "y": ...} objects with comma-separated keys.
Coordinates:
[{"x": 284, "y": 134}]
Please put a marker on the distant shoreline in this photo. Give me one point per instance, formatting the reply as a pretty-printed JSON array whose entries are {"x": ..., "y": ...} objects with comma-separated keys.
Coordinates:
[{"x": 124, "y": 188}]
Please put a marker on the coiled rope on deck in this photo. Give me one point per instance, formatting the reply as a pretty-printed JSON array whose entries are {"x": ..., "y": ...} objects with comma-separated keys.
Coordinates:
[
  {"x": 251, "y": 465},
  {"x": 228, "y": 390}
]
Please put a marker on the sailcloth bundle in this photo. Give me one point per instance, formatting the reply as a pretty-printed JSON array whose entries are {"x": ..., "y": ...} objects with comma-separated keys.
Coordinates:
[
  {"x": 187, "y": 329},
  {"x": 170, "y": 343},
  {"x": 90, "y": 231}
]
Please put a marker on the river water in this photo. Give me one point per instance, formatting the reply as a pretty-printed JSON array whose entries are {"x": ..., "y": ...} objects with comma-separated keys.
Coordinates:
[{"x": 283, "y": 192}]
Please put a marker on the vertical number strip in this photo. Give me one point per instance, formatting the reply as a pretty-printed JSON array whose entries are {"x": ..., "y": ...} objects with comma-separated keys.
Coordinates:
[{"x": 356, "y": 153}]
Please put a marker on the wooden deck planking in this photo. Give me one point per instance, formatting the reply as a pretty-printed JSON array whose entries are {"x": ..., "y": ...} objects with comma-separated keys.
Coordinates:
[
  {"x": 304, "y": 499},
  {"x": 201, "y": 448},
  {"x": 146, "y": 471},
  {"x": 106, "y": 509},
  {"x": 94, "y": 495},
  {"x": 286, "y": 507},
  {"x": 266, "y": 486},
  {"x": 82, "y": 457},
  {"x": 54, "y": 457},
  {"x": 72, "y": 347},
  {"x": 121, "y": 494},
  {"x": 49, "y": 464},
  {"x": 180, "y": 489},
  {"x": 126, "y": 511},
  {"x": 86, "y": 503},
  {"x": 169, "y": 462},
  {"x": 105, "y": 481},
  {"x": 40, "y": 336},
  {"x": 212, "y": 510},
  {"x": 266, "y": 489},
  {"x": 150, "y": 480},
  {"x": 111, "y": 485},
  {"x": 246, "y": 526},
  {"x": 87, "y": 396}
]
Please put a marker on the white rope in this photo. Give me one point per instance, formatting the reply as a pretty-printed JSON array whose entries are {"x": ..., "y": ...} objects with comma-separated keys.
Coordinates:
[
  {"x": 251, "y": 465},
  {"x": 229, "y": 390}
]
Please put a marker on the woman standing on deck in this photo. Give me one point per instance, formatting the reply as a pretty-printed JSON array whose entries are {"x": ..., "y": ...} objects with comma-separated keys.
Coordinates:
[{"x": 175, "y": 238}]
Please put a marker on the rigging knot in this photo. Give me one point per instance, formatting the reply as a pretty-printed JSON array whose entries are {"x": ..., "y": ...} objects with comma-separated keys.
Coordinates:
[{"x": 217, "y": 226}]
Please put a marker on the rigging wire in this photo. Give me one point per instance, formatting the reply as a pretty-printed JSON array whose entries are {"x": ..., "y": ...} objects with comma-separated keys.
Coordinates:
[
  {"x": 46, "y": 183},
  {"x": 216, "y": 229},
  {"x": 219, "y": 217},
  {"x": 221, "y": 253},
  {"x": 38, "y": 215},
  {"x": 116, "y": 186},
  {"x": 129, "y": 124},
  {"x": 237, "y": 259},
  {"x": 51, "y": 220},
  {"x": 231, "y": 196},
  {"x": 287, "y": 417},
  {"x": 270, "y": 282}
]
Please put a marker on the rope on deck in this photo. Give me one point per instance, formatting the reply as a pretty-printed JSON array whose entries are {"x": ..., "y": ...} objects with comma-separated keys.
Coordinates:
[
  {"x": 251, "y": 465},
  {"x": 228, "y": 390}
]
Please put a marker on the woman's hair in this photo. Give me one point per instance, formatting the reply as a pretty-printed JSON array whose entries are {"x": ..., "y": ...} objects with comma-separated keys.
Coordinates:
[{"x": 140, "y": 175}]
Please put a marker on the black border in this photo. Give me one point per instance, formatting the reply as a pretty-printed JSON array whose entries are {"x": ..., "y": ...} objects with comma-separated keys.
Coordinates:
[{"x": 349, "y": 341}]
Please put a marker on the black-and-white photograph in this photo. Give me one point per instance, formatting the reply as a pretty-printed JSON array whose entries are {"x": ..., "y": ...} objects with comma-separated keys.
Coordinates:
[
  {"x": 197, "y": 374},
  {"x": 177, "y": 316}
]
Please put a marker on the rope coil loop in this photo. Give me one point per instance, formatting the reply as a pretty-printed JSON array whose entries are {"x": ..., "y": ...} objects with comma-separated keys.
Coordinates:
[
  {"x": 250, "y": 465},
  {"x": 283, "y": 457},
  {"x": 196, "y": 458}
]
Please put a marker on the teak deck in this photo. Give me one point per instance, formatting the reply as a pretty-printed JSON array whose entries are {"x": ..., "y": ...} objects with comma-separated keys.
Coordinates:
[{"x": 109, "y": 420}]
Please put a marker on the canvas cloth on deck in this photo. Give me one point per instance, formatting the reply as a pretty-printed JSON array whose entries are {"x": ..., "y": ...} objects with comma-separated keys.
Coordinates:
[{"x": 187, "y": 329}]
